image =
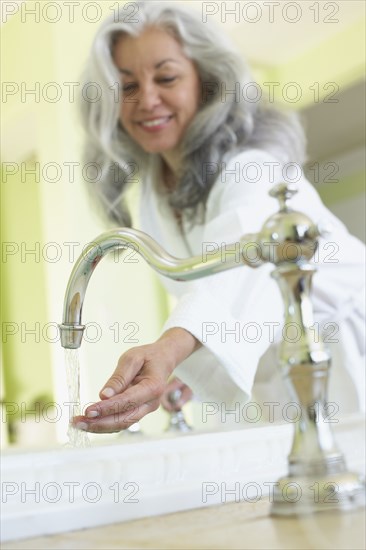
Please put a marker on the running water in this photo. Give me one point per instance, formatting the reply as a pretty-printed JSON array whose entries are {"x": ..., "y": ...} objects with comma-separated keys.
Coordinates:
[{"x": 77, "y": 438}]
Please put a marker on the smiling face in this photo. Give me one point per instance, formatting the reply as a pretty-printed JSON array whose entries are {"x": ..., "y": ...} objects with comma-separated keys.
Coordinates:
[{"x": 161, "y": 90}]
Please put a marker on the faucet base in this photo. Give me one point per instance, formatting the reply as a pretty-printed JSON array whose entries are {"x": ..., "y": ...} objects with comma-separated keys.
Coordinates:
[
  {"x": 305, "y": 495},
  {"x": 177, "y": 423}
]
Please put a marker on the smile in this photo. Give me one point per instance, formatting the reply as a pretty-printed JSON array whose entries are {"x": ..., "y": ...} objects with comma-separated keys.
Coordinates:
[{"x": 156, "y": 122}]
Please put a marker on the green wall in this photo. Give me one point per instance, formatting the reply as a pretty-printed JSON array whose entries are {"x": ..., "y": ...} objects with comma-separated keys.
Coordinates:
[{"x": 26, "y": 355}]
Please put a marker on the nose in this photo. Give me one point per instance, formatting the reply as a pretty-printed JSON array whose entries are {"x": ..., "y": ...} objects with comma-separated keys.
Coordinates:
[{"x": 148, "y": 96}]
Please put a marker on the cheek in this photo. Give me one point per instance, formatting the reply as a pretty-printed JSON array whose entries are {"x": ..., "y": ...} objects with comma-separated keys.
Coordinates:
[
  {"x": 190, "y": 101},
  {"x": 124, "y": 116}
]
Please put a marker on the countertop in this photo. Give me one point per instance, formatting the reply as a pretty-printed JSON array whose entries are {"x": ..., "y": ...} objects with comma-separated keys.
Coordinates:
[{"x": 241, "y": 525}]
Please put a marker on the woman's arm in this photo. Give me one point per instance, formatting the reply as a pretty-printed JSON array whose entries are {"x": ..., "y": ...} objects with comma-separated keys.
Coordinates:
[{"x": 136, "y": 386}]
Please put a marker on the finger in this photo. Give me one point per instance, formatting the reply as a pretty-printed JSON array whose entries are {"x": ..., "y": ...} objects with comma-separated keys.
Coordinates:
[
  {"x": 143, "y": 392},
  {"x": 128, "y": 366},
  {"x": 114, "y": 422}
]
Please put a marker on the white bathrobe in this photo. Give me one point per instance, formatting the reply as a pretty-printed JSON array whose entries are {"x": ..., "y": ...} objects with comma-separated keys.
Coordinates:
[{"x": 240, "y": 365}]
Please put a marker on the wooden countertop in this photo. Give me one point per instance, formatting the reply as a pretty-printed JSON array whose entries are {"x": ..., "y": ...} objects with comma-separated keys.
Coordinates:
[{"x": 242, "y": 525}]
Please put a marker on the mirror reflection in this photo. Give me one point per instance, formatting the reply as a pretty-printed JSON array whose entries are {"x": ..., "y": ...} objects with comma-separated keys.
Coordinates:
[{"x": 103, "y": 129}]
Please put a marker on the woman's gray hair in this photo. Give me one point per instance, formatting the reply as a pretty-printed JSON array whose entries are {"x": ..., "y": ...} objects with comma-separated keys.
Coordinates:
[{"x": 224, "y": 125}]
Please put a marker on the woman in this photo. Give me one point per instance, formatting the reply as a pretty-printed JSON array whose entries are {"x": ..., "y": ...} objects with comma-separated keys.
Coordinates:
[{"x": 206, "y": 163}]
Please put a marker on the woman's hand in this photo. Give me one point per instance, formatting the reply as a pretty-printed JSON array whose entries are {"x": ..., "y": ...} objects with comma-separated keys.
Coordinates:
[
  {"x": 173, "y": 385},
  {"x": 138, "y": 383}
]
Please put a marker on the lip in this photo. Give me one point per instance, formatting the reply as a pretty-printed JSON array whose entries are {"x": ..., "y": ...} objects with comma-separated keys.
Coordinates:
[{"x": 158, "y": 126}]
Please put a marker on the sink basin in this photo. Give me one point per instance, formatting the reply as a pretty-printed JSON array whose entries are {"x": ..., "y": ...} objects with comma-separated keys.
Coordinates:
[{"x": 61, "y": 489}]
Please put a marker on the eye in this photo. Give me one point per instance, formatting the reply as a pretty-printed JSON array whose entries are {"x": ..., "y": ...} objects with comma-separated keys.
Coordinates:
[
  {"x": 129, "y": 86},
  {"x": 168, "y": 79}
]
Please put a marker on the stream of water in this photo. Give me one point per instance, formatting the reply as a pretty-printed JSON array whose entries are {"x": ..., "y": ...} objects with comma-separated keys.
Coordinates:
[{"x": 77, "y": 438}]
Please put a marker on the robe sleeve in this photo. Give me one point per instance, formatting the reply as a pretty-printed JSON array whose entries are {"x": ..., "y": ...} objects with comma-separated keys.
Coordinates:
[{"x": 236, "y": 313}]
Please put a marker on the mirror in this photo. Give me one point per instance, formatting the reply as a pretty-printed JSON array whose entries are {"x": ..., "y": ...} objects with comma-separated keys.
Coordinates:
[{"x": 307, "y": 56}]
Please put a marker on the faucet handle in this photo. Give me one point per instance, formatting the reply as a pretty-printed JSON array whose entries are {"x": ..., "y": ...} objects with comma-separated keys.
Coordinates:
[
  {"x": 177, "y": 421},
  {"x": 283, "y": 192},
  {"x": 288, "y": 229},
  {"x": 174, "y": 396}
]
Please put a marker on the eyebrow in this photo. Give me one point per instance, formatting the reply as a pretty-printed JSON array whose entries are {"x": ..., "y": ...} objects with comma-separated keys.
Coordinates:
[{"x": 126, "y": 71}]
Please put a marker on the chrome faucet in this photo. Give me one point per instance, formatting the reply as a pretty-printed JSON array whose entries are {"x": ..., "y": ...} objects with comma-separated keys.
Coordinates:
[
  {"x": 177, "y": 421},
  {"x": 288, "y": 239}
]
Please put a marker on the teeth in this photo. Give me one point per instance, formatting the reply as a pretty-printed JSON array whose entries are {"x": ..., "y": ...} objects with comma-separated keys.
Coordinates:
[{"x": 155, "y": 122}]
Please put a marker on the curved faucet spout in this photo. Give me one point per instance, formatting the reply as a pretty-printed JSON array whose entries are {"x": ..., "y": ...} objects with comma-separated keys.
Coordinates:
[
  {"x": 178, "y": 269},
  {"x": 283, "y": 232}
]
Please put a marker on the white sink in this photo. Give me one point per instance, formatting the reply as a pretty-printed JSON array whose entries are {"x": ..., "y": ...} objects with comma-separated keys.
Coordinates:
[{"x": 79, "y": 488}]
